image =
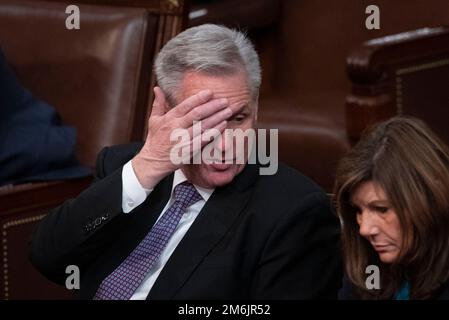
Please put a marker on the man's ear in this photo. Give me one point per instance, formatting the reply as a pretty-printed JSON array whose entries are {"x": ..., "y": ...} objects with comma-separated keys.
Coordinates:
[{"x": 160, "y": 106}]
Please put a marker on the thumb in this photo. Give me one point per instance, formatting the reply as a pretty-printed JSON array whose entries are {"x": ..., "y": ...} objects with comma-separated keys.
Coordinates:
[{"x": 159, "y": 103}]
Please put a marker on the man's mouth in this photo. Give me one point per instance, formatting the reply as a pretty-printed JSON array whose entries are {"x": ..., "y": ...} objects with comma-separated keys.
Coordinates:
[
  {"x": 221, "y": 166},
  {"x": 220, "y": 161}
]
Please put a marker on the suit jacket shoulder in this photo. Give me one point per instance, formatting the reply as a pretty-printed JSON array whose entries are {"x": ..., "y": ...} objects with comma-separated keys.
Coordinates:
[
  {"x": 288, "y": 193},
  {"x": 113, "y": 157}
]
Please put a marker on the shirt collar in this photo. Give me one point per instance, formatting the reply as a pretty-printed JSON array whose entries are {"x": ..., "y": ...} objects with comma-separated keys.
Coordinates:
[{"x": 179, "y": 177}]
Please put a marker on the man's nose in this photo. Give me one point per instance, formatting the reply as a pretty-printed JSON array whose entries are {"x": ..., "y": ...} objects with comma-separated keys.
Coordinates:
[
  {"x": 225, "y": 142},
  {"x": 368, "y": 226}
]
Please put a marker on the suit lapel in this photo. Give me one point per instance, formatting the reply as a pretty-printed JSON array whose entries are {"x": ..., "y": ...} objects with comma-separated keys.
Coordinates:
[
  {"x": 141, "y": 221},
  {"x": 214, "y": 220}
]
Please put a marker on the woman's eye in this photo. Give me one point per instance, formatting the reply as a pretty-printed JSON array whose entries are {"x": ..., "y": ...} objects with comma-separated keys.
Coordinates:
[{"x": 381, "y": 209}]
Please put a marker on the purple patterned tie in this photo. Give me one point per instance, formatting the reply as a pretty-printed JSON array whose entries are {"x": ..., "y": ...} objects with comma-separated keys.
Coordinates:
[{"x": 123, "y": 281}]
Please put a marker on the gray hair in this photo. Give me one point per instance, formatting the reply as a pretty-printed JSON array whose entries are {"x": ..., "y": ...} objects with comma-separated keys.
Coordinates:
[{"x": 208, "y": 48}]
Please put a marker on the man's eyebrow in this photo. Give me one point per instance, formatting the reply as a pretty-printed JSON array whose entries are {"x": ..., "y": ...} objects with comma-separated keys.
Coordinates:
[{"x": 242, "y": 108}]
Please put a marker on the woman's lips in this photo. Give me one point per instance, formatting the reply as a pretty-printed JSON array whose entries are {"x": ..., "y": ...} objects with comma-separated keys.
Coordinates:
[{"x": 381, "y": 248}]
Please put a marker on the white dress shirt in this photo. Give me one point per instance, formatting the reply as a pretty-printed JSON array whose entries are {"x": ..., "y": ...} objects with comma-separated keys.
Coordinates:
[{"x": 133, "y": 194}]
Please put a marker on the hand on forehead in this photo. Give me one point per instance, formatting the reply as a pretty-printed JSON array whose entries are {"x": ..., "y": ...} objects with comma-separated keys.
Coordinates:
[{"x": 233, "y": 87}]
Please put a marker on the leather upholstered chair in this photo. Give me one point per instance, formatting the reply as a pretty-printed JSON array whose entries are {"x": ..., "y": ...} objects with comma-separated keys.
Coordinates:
[
  {"x": 309, "y": 115},
  {"x": 303, "y": 46},
  {"x": 406, "y": 73},
  {"x": 99, "y": 80}
]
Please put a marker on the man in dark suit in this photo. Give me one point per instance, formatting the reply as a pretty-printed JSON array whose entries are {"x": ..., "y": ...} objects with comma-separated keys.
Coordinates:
[
  {"x": 152, "y": 228},
  {"x": 34, "y": 145}
]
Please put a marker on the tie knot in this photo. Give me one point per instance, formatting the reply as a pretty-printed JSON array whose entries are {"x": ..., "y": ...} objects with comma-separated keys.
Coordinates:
[{"x": 186, "y": 194}]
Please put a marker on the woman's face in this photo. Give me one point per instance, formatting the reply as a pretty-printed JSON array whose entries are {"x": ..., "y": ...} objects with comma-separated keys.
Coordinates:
[{"x": 377, "y": 220}]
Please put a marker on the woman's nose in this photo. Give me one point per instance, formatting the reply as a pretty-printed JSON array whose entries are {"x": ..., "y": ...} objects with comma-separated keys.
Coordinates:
[{"x": 367, "y": 224}]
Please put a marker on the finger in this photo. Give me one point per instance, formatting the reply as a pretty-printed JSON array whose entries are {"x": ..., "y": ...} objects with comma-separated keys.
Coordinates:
[
  {"x": 191, "y": 102},
  {"x": 215, "y": 119},
  {"x": 206, "y": 110},
  {"x": 198, "y": 127},
  {"x": 195, "y": 144},
  {"x": 199, "y": 141},
  {"x": 220, "y": 128},
  {"x": 160, "y": 106},
  {"x": 236, "y": 110}
]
